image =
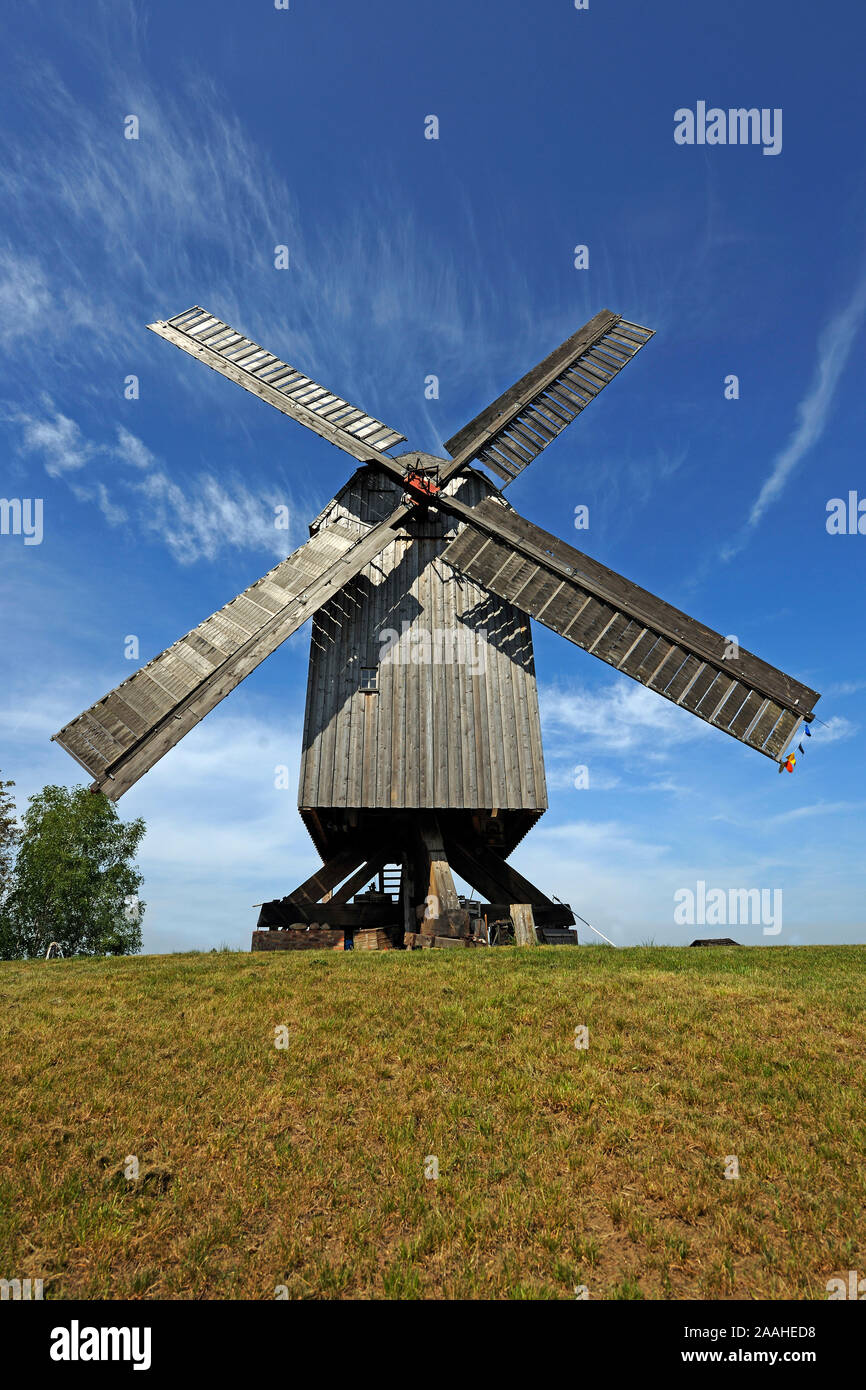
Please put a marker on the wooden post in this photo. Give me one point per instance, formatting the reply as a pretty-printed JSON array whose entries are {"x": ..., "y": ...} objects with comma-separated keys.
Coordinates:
[
  {"x": 524, "y": 924},
  {"x": 439, "y": 880},
  {"x": 406, "y": 899}
]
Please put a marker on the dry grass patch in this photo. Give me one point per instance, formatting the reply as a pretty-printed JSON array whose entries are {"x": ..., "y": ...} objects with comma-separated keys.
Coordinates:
[{"x": 304, "y": 1167}]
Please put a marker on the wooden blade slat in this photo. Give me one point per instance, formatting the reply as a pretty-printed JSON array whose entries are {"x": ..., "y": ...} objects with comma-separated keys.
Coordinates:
[
  {"x": 608, "y": 642},
  {"x": 683, "y": 679},
  {"x": 665, "y": 673},
  {"x": 718, "y": 692},
  {"x": 783, "y": 734},
  {"x": 516, "y": 447},
  {"x": 505, "y": 456},
  {"x": 591, "y": 622},
  {"x": 579, "y": 399},
  {"x": 641, "y": 647},
  {"x": 555, "y": 410},
  {"x": 742, "y": 721},
  {"x": 699, "y": 687},
  {"x": 653, "y": 661},
  {"x": 765, "y": 724},
  {"x": 498, "y": 464}
]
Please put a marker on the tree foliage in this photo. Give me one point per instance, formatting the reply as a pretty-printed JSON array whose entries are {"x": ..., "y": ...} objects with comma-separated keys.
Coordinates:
[
  {"x": 10, "y": 836},
  {"x": 74, "y": 879}
]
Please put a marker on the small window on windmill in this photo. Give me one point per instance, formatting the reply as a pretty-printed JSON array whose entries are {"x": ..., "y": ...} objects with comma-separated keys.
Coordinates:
[{"x": 370, "y": 679}]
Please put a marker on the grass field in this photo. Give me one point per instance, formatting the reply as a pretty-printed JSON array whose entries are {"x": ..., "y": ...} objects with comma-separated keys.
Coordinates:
[{"x": 304, "y": 1166}]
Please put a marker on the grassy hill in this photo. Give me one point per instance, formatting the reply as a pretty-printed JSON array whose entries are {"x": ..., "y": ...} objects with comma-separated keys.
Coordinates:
[{"x": 304, "y": 1166}]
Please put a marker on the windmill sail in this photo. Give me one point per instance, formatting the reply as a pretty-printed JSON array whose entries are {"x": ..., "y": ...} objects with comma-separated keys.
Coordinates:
[
  {"x": 629, "y": 628},
  {"x": 271, "y": 379},
  {"x": 511, "y": 432},
  {"x": 120, "y": 738}
]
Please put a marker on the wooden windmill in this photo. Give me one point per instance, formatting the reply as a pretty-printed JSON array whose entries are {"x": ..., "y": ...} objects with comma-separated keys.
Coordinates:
[{"x": 422, "y": 741}]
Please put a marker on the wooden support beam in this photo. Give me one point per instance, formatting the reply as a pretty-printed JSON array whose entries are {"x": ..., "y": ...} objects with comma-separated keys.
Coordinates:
[
  {"x": 357, "y": 881},
  {"x": 524, "y": 924},
  {"x": 492, "y": 877},
  {"x": 323, "y": 900},
  {"x": 407, "y": 907},
  {"x": 440, "y": 883},
  {"x": 290, "y": 912},
  {"x": 557, "y": 915},
  {"x": 328, "y": 876}
]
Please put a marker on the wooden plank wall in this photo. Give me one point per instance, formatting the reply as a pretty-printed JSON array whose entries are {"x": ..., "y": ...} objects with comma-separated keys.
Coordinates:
[{"x": 434, "y": 734}]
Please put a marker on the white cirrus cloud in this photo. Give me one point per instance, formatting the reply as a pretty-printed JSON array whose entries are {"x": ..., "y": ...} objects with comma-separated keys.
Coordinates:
[
  {"x": 834, "y": 729},
  {"x": 131, "y": 449},
  {"x": 195, "y": 522},
  {"x": 834, "y": 349},
  {"x": 209, "y": 516},
  {"x": 25, "y": 297},
  {"x": 817, "y": 810},
  {"x": 59, "y": 440},
  {"x": 616, "y": 718}
]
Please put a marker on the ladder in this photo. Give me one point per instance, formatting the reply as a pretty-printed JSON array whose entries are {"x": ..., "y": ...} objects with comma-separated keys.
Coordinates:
[{"x": 390, "y": 877}]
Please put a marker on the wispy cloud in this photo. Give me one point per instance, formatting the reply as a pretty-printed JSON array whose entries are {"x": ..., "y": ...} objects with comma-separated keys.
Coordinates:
[
  {"x": 114, "y": 514},
  {"x": 817, "y": 809},
  {"x": 834, "y": 349},
  {"x": 562, "y": 776},
  {"x": 834, "y": 729},
  {"x": 197, "y": 521},
  {"x": 25, "y": 299},
  {"x": 588, "y": 837},
  {"x": 568, "y": 776},
  {"x": 837, "y": 688},
  {"x": 192, "y": 210},
  {"x": 133, "y": 450},
  {"x": 210, "y": 516},
  {"x": 616, "y": 719},
  {"x": 57, "y": 438}
]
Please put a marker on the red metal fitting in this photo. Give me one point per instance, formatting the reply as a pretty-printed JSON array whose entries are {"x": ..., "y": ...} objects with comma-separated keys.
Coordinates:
[{"x": 419, "y": 486}]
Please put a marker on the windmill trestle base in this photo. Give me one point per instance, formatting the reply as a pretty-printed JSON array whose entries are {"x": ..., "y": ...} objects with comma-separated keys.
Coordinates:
[{"x": 329, "y": 911}]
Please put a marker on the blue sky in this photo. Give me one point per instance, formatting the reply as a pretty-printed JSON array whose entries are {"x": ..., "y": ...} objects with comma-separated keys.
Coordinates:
[{"x": 454, "y": 256}]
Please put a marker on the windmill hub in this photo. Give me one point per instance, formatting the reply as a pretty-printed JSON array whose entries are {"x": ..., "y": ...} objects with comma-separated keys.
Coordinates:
[
  {"x": 422, "y": 463},
  {"x": 410, "y": 769},
  {"x": 421, "y": 477}
]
